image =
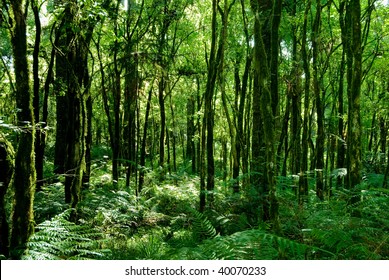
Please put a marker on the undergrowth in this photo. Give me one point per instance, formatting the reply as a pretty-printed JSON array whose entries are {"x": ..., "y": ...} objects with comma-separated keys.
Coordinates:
[
  {"x": 163, "y": 223},
  {"x": 59, "y": 238}
]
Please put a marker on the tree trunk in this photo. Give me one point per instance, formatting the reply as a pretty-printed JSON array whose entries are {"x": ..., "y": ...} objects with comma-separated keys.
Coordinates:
[
  {"x": 319, "y": 156},
  {"x": 173, "y": 134},
  {"x": 341, "y": 150},
  {"x": 208, "y": 120},
  {"x": 7, "y": 163},
  {"x": 354, "y": 145},
  {"x": 88, "y": 141},
  {"x": 45, "y": 110},
  {"x": 265, "y": 103},
  {"x": 303, "y": 181},
  {"x": 190, "y": 133},
  {"x": 39, "y": 148},
  {"x": 296, "y": 101},
  {"x": 161, "y": 100},
  {"x": 131, "y": 100},
  {"x": 72, "y": 73},
  {"x": 116, "y": 149},
  {"x": 283, "y": 142},
  {"x": 240, "y": 134},
  {"x": 383, "y": 143},
  {"x": 143, "y": 148},
  {"x": 24, "y": 176}
]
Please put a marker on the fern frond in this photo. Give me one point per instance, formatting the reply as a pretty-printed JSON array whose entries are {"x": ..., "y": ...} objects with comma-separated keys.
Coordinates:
[
  {"x": 202, "y": 228},
  {"x": 245, "y": 245},
  {"x": 59, "y": 238}
]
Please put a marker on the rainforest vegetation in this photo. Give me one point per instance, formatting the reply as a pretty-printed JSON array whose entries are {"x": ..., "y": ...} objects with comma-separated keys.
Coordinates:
[{"x": 189, "y": 129}]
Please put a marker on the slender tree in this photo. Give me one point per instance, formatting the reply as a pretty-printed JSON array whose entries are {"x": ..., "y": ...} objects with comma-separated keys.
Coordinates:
[
  {"x": 354, "y": 138},
  {"x": 303, "y": 181},
  {"x": 208, "y": 120},
  {"x": 319, "y": 156},
  {"x": 39, "y": 150}
]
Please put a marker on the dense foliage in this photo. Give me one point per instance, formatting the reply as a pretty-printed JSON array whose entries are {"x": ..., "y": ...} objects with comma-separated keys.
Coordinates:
[
  {"x": 189, "y": 129},
  {"x": 115, "y": 224}
]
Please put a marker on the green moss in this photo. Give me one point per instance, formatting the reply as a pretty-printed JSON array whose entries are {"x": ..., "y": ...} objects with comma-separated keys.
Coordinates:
[{"x": 7, "y": 167}]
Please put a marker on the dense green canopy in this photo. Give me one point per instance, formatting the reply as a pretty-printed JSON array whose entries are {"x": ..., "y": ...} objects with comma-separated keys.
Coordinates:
[{"x": 180, "y": 124}]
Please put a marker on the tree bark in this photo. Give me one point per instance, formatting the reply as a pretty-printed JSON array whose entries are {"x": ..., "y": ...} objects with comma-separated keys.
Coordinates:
[
  {"x": 296, "y": 101},
  {"x": 190, "y": 133},
  {"x": 143, "y": 147},
  {"x": 39, "y": 146},
  {"x": 341, "y": 143},
  {"x": 73, "y": 76},
  {"x": 24, "y": 176},
  {"x": 303, "y": 181},
  {"x": 354, "y": 144},
  {"x": 319, "y": 156},
  {"x": 265, "y": 104},
  {"x": 7, "y": 163}
]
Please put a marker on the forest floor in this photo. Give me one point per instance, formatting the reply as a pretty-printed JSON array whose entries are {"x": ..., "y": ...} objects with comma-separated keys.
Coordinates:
[{"x": 163, "y": 223}]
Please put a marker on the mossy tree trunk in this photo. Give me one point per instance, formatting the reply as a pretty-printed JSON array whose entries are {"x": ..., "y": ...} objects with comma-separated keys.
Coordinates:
[
  {"x": 354, "y": 144},
  {"x": 295, "y": 92},
  {"x": 24, "y": 177},
  {"x": 78, "y": 151},
  {"x": 207, "y": 126},
  {"x": 319, "y": 156},
  {"x": 62, "y": 41},
  {"x": 72, "y": 72},
  {"x": 215, "y": 65},
  {"x": 222, "y": 85},
  {"x": 265, "y": 104},
  {"x": 7, "y": 168},
  {"x": 341, "y": 147}
]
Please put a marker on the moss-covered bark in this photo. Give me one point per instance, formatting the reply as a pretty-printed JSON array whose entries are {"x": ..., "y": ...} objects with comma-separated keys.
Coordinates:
[
  {"x": 73, "y": 100},
  {"x": 24, "y": 177},
  {"x": 7, "y": 168},
  {"x": 354, "y": 143},
  {"x": 265, "y": 99}
]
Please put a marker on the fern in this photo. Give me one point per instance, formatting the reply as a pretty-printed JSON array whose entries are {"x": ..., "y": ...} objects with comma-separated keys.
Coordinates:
[
  {"x": 116, "y": 213},
  {"x": 347, "y": 236},
  {"x": 43, "y": 210},
  {"x": 147, "y": 245},
  {"x": 245, "y": 245},
  {"x": 59, "y": 238},
  {"x": 202, "y": 228}
]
